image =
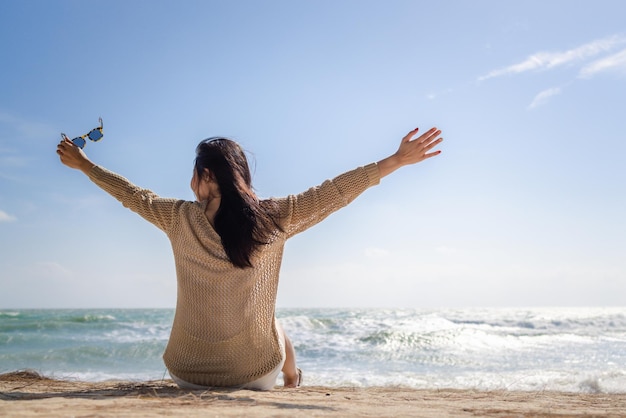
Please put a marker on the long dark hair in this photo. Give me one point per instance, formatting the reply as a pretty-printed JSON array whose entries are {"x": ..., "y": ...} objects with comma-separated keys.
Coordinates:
[{"x": 241, "y": 221}]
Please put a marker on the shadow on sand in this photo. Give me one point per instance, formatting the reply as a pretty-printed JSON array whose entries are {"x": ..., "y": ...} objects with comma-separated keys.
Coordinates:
[{"x": 30, "y": 385}]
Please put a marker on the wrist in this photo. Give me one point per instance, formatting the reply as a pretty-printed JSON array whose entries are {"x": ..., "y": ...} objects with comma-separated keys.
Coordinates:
[
  {"x": 86, "y": 166},
  {"x": 389, "y": 165}
]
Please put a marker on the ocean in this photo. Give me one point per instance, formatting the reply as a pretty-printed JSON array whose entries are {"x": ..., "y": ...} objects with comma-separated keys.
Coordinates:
[{"x": 562, "y": 349}]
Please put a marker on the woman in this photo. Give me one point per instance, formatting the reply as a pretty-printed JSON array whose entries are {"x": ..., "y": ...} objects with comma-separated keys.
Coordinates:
[{"x": 228, "y": 247}]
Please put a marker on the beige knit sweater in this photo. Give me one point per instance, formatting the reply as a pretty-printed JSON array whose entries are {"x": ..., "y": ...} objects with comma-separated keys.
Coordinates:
[{"x": 223, "y": 332}]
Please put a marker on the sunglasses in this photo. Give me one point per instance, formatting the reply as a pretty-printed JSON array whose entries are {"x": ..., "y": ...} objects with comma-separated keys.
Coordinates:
[{"x": 95, "y": 135}]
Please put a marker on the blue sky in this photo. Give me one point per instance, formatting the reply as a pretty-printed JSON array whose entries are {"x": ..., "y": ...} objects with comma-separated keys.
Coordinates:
[{"x": 524, "y": 207}]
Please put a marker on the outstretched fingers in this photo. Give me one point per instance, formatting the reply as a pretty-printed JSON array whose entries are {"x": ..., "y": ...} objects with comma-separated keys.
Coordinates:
[
  {"x": 428, "y": 136},
  {"x": 410, "y": 135},
  {"x": 412, "y": 151},
  {"x": 429, "y": 139}
]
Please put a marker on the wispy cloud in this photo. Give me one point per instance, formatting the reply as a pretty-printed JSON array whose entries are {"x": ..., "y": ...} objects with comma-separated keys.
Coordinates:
[
  {"x": 5, "y": 217},
  {"x": 549, "y": 60},
  {"x": 615, "y": 62},
  {"x": 544, "y": 96}
]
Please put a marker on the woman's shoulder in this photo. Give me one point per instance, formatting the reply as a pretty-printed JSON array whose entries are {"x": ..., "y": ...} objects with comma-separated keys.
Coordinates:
[{"x": 276, "y": 205}]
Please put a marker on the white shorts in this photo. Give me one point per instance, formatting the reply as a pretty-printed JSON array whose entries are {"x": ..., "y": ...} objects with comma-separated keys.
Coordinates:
[{"x": 266, "y": 382}]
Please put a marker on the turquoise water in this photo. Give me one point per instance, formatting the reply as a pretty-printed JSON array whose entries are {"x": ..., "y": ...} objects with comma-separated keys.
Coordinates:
[{"x": 575, "y": 350}]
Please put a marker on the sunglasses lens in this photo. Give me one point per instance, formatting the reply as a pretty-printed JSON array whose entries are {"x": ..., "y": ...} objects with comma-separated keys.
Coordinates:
[
  {"x": 95, "y": 135},
  {"x": 79, "y": 142}
]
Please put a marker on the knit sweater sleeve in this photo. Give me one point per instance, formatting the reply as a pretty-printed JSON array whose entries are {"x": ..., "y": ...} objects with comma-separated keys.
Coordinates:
[
  {"x": 302, "y": 211},
  {"x": 156, "y": 210}
]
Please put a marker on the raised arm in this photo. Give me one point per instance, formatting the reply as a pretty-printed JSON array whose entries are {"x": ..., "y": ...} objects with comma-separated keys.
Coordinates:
[
  {"x": 411, "y": 151},
  {"x": 306, "y": 209},
  {"x": 159, "y": 211}
]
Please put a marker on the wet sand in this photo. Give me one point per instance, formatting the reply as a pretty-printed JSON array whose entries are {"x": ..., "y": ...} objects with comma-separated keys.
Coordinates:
[{"x": 27, "y": 394}]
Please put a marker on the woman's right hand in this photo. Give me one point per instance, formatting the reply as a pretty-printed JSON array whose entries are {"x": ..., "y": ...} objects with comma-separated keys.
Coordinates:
[
  {"x": 411, "y": 151},
  {"x": 73, "y": 157}
]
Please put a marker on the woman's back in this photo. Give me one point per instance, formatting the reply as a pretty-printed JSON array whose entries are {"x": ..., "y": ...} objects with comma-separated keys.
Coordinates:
[{"x": 223, "y": 332}]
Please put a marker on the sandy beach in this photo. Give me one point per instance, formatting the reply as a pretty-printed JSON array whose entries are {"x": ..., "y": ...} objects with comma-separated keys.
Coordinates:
[{"x": 27, "y": 394}]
